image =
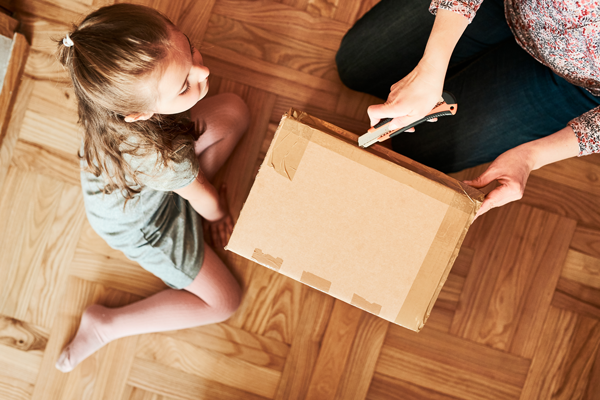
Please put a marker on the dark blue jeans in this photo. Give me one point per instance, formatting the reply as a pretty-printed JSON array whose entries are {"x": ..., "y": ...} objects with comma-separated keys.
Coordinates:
[{"x": 505, "y": 97}]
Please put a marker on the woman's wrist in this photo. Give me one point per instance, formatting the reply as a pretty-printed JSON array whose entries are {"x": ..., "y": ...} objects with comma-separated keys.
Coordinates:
[
  {"x": 528, "y": 153},
  {"x": 556, "y": 147},
  {"x": 435, "y": 70},
  {"x": 447, "y": 30}
]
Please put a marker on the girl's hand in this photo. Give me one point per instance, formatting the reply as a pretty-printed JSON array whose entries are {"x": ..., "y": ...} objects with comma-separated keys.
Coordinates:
[
  {"x": 218, "y": 232},
  {"x": 411, "y": 98},
  {"x": 511, "y": 169}
]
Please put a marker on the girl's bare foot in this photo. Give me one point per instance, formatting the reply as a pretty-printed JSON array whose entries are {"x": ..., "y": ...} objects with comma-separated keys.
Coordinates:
[{"x": 89, "y": 338}]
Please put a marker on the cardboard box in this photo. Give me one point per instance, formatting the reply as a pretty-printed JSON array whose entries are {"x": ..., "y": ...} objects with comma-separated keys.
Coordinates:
[{"x": 367, "y": 226}]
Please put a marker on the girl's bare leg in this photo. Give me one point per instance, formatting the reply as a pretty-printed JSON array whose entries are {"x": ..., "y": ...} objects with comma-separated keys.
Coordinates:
[
  {"x": 226, "y": 118},
  {"x": 212, "y": 297}
]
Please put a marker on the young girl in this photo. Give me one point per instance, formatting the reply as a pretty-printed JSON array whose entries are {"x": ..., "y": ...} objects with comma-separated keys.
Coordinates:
[{"x": 147, "y": 169}]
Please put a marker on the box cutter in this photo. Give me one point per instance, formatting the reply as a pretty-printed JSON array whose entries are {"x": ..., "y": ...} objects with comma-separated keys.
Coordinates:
[{"x": 380, "y": 132}]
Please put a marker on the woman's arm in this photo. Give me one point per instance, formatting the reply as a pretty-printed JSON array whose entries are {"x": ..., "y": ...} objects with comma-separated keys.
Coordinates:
[
  {"x": 416, "y": 94},
  {"x": 512, "y": 168}
]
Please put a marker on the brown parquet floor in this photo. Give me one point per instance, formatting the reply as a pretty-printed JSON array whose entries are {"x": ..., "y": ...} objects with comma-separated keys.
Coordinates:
[{"x": 518, "y": 318}]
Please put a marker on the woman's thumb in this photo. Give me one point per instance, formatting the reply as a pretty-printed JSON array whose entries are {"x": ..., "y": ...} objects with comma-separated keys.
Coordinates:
[
  {"x": 378, "y": 111},
  {"x": 481, "y": 181}
]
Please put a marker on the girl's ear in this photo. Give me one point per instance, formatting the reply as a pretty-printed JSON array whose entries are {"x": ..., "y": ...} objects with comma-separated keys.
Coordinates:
[{"x": 138, "y": 117}]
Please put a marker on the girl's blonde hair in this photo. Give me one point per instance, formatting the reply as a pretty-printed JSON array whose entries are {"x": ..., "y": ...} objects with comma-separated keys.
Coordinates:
[{"x": 115, "y": 52}]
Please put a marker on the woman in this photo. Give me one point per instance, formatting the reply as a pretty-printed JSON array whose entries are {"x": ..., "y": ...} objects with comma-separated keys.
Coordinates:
[{"x": 526, "y": 84}]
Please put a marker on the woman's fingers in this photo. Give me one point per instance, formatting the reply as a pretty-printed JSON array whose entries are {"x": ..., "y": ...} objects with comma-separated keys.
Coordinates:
[
  {"x": 498, "y": 197},
  {"x": 484, "y": 179},
  {"x": 410, "y": 99},
  {"x": 379, "y": 111},
  {"x": 511, "y": 171}
]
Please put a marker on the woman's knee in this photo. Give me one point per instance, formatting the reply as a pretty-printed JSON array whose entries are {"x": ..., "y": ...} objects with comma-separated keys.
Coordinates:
[
  {"x": 348, "y": 67},
  {"x": 358, "y": 49},
  {"x": 371, "y": 59}
]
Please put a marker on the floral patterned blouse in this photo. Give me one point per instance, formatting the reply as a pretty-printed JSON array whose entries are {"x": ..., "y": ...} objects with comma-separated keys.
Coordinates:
[{"x": 564, "y": 36}]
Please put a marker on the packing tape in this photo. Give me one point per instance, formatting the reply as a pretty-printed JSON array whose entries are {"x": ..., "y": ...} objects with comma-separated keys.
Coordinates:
[
  {"x": 427, "y": 284},
  {"x": 288, "y": 150},
  {"x": 315, "y": 281},
  {"x": 267, "y": 260},
  {"x": 365, "y": 305}
]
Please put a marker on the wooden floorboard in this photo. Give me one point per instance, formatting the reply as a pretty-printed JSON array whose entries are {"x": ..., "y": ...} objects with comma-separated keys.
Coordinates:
[{"x": 518, "y": 318}]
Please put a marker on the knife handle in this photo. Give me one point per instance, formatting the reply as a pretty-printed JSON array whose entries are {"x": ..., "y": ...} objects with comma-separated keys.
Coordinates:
[{"x": 446, "y": 106}]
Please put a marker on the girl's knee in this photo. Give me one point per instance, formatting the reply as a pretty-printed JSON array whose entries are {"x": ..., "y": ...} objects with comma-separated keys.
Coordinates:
[
  {"x": 230, "y": 302},
  {"x": 238, "y": 111}
]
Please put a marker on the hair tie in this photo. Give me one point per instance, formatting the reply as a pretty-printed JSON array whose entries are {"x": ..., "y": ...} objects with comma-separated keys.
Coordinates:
[{"x": 68, "y": 41}]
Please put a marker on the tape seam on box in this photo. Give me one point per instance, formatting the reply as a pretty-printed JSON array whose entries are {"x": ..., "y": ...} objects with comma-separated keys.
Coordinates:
[
  {"x": 289, "y": 149},
  {"x": 267, "y": 260},
  {"x": 427, "y": 281},
  {"x": 315, "y": 281},
  {"x": 359, "y": 302}
]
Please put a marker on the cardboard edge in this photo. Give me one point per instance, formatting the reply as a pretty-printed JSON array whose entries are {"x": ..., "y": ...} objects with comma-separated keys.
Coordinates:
[
  {"x": 19, "y": 53},
  {"x": 475, "y": 195},
  {"x": 449, "y": 266},
  {"x": 265, "y": 163},
  {"x": 419, "y": 323},
  {"x": 267, "y": 159}
]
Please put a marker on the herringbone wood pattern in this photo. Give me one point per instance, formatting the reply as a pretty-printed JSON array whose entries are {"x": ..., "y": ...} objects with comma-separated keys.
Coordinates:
[{"x": 518, "y": 318}]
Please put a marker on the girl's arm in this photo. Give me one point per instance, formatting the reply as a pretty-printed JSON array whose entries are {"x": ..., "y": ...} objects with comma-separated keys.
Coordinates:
[
  {"x": 512, "y": 168},
  {"x": 416, "y": 94},
  {"x": 204, "y": 198}
]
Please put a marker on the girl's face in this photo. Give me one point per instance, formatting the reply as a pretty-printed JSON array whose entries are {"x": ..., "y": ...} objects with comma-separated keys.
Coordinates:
[{"x": 185, "y": 78}]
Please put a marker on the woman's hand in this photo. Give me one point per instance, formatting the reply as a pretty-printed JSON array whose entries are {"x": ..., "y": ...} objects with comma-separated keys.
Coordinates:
[
  {"x": 411, "y": 98},
  {"x": 218, "y": 232},
  {"x": 511, "y": 169},
  {"x": 415, "y": 95}
]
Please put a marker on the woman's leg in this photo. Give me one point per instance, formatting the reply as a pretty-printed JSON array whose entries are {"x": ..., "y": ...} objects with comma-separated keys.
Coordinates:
[
  {"x": 388, "y": 42},
  {"x": 225, "y": 118},
  {"x": 212, "y": 297},
  {"x": 384, "y": 45},
  {"x": 505, "y": 98}
]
